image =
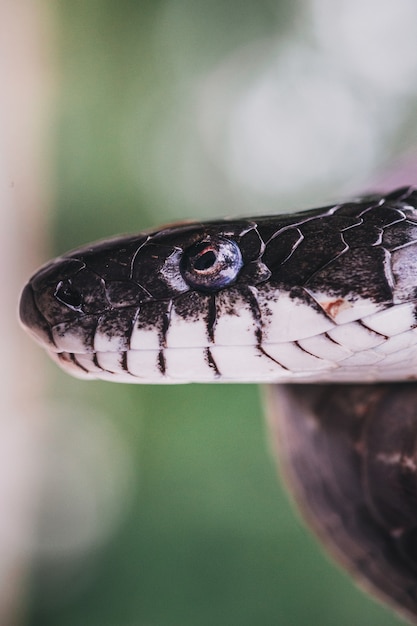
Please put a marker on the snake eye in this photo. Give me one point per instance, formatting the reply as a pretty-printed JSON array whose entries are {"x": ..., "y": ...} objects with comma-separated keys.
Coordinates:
[
  {"x": 211, "y": 264},
  {"x": 66, "y": 294}
]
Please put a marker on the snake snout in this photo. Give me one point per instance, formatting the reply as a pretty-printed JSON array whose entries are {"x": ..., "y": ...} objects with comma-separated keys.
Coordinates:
[
  {"x": 51, "y": 297},
  {"x": 32, "y": 319}
]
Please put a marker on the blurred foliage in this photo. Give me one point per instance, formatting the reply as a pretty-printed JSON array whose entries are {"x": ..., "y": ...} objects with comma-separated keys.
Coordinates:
[
  {"x": 208, "y": 536},
  {"x": 124, "y": 67}
]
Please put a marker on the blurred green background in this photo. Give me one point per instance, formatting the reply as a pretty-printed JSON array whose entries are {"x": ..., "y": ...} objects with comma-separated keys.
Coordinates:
[{"x": 164, "y": 508}]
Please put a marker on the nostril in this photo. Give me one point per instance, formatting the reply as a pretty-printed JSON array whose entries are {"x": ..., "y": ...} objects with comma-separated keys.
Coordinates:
[{"x": 68, "y": 295}]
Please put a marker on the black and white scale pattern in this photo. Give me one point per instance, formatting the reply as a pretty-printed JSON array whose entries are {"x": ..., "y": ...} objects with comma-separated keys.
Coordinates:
[{"x": 323, "y": 295}]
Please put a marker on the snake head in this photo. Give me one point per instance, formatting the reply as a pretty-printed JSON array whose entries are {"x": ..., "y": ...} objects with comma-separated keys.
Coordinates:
[
  {"x": 96, "y": 308},
  {"x": 323, "y": 295}
]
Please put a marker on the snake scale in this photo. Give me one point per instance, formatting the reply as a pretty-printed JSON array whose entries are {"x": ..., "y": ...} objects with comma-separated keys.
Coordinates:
[{"x": 325, "y": 298}]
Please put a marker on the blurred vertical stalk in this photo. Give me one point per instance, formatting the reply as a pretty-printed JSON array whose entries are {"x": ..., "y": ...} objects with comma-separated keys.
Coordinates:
[{"x": 25, "y": 106}]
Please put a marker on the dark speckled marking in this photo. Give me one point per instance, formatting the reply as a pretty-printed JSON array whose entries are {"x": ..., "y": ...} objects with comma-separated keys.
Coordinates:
[
  {"x": 271, "y": 358},
  {"x": 211, "y": 317},
  {"x": 371, "y": 330},
  {"x": 165, "y": 325},
  {"x": 75, "y": 361},
  {"x": 305, "y": 350},
  {"x": 192, "y": 305},
  {"x": 393, "y": 237},
  {"x": 211, "y": 362},
  {"x": 118, "y": 324},
  {"x": 256, "y": 313},
  {"x": 360, "y": 272},
  {"x": 96, "y": 363},
  {"x": 331, "y": 339},
  {"x": 161, "y": 362},
  {"x": 70, "y": 357},
  {"x": 123, "y": 362},
  {"x": 63, "y": 357}
]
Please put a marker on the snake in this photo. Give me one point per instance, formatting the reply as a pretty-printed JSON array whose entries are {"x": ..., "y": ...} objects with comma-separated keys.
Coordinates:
[{"x": 320, "y": 304}]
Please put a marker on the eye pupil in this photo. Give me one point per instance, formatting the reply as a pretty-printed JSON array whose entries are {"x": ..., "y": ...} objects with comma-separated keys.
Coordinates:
[
  {"x": 211, "y": 264},
  {"x": 205, "y": 261}
]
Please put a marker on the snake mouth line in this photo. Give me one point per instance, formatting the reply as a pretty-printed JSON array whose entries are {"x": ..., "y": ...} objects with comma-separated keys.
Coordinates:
[{"x": 268, "y": 363}]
